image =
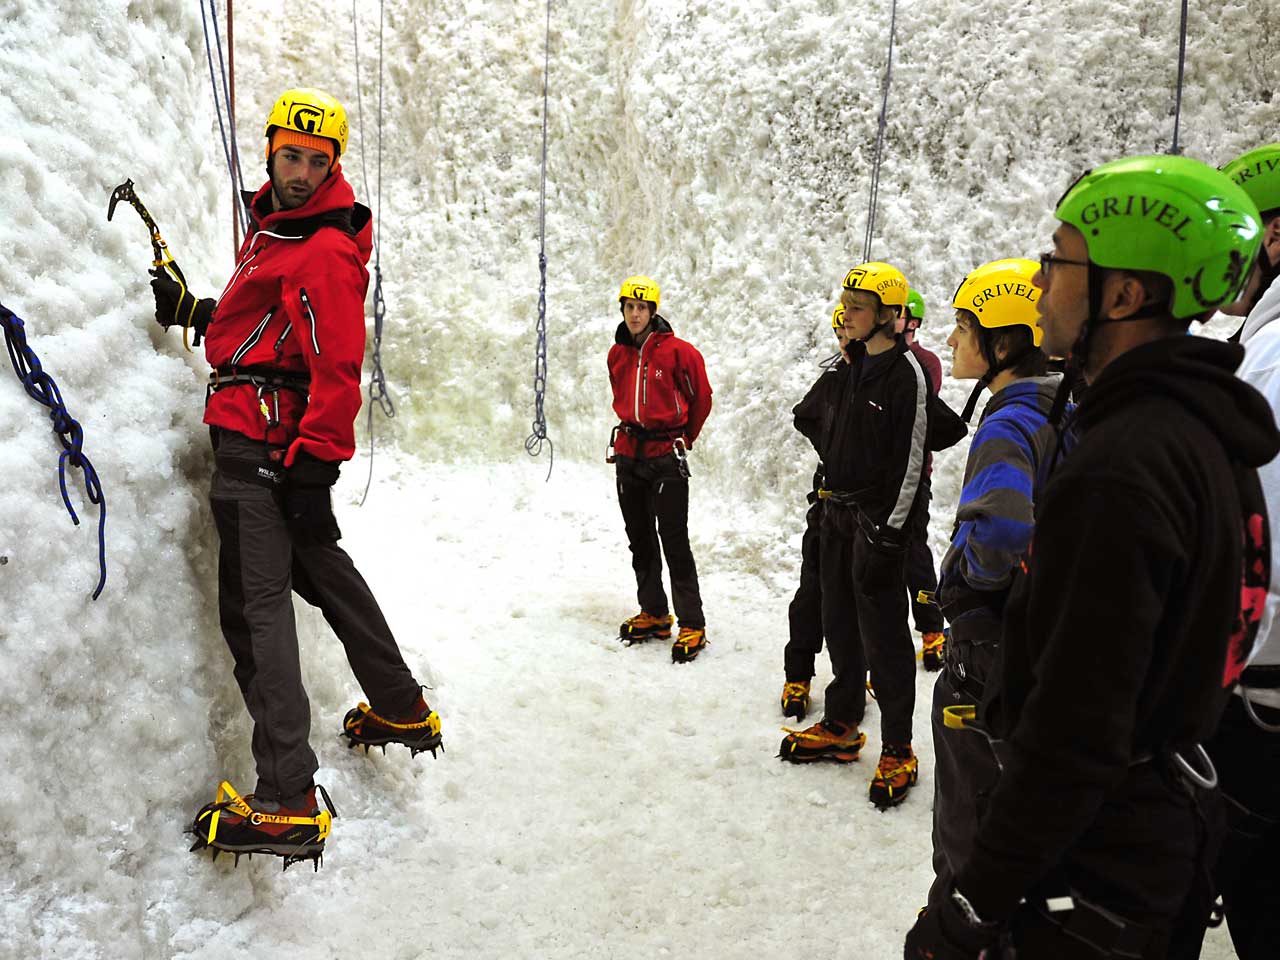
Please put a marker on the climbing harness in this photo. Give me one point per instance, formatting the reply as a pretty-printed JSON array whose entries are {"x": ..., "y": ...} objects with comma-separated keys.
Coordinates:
[
  {"x": 229, "y": 149},
  {"x": 533, "y": 443},
  {"x": 879, "y": 151},
  {"x": 1182, "y": 62},
  {"x": 378, "y": 395},
  {"x": 41, "y": 388},
  {"x": 161, "y": 259}
]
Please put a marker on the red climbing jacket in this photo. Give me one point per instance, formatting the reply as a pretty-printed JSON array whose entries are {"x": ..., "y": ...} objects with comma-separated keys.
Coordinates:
[{"x": 295, "y": 304}]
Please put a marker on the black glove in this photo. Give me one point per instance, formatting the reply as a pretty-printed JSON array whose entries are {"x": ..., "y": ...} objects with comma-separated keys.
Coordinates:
[
  {"x": 308, "y": 504},
  {"x": 174, "y": 305},
  {"x": 884, "y": 566},
  {"x": 945, "y": 933}
]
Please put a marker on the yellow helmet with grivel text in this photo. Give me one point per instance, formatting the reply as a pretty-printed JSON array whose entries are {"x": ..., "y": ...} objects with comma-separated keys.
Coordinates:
[
  {"x": 837, "y": 317},
  {"x": 640, "y": 287},
  {"x": 1000, "y": 294},
  {"x": 311, "y": 112},
  {"x": 885, "y": 281}
]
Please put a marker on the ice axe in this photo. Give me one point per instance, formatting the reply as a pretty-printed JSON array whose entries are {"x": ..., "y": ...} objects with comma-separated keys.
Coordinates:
[{"x": 161, "y": 259}]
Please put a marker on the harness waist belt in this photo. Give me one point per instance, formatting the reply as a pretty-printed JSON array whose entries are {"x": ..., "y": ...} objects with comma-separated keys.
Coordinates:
[
  {"x": 644, "y": 436},
  {"x": 1261, "y": 677},
  {"x": 261, "y": 377}
]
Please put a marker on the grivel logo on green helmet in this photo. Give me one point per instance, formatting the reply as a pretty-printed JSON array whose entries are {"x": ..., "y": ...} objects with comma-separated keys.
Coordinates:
[{"x": 1169, "y": 215}]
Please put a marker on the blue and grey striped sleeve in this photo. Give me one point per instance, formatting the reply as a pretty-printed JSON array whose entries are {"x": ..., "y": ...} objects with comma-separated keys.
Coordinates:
[{"x": 996, "y": 512}]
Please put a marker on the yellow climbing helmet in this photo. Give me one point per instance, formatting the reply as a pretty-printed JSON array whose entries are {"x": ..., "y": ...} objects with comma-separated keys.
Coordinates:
[
  {"x": 837, "y": 318},
  {"x": 885, "y": 281},
  {"x": 1000, "y": 294},
  {"x": 640, "y": 287},
  {"x": 309, "y": 111}
]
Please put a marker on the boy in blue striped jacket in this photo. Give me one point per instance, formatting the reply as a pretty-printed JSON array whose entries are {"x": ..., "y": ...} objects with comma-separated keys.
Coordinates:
[{"x": 997, "y": 342}]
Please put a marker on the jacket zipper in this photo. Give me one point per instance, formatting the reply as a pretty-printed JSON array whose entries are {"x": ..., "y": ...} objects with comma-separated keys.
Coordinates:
[
  {"x": 306, "y": 306},
  {"x": 288, "y": 328},
  {"x": 236, "y": 276},
  {"x": 252, "y": 339}
]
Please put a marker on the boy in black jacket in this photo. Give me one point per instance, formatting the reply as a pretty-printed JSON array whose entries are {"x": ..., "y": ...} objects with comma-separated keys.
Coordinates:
[
  {"x": 1121, "y": 641},
  {"x": 874, "y": 459}
]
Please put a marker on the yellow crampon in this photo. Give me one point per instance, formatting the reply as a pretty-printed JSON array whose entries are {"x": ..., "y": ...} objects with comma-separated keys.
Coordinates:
[
  {"x": 228, "y": 799},
  {"x": 429, "y": 724}
]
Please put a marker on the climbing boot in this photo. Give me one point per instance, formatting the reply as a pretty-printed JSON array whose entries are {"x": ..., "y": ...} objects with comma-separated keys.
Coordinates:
[
  {"x": 644, "y": 626},
  {"x": 294, "y": 831},
  {"x": 932, "y": 647},
  {"x": 795, "y": 699},
  {"x": 896, "y": 773},
  {"x": 419, "y": 730},
  {"x": 825, "y": 740},
  {"x": 690, "y": 643}
]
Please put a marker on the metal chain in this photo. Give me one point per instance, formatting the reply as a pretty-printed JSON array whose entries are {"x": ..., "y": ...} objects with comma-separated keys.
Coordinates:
[
  {"x": 533, "y": 443},
  {"x": 879, "y": 151}
]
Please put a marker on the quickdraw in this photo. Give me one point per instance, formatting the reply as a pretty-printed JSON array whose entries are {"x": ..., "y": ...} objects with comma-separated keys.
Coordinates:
[{"x": 161, "y": 259}]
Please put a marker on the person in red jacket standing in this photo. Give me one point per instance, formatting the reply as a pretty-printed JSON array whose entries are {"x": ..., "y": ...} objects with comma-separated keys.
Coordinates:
[
  {"x": 286, "y": 342},
  {"x": 662, "y": 398}
]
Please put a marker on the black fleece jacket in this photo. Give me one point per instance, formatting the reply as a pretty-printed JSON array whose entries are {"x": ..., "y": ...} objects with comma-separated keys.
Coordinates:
[
  {"x": 875, "y": 447},
  {"x": 1122, "y": 640}
]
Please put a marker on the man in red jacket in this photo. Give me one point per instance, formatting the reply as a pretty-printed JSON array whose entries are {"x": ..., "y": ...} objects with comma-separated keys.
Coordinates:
[
  {"x": 662, "y": 398},
  {"x": 286, "y": 342}
]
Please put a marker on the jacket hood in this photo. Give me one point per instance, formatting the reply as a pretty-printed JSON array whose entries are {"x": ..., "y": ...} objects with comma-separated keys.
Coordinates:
[
  {"x": 1200, "y": 375},
  {"x": 1266, "y": 310},
  {"x": 1035, "y": 392},
  {"x": 622, "y": 335},
  {"x": 332, "y": 205}
]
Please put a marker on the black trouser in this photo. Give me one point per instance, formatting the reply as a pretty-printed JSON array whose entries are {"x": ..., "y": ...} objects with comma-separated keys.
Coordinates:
[
  {"x": 864, "y": 629},
  {"x": 1040, "y": 935},
  {"x": 259, "y": 567},
  {"x": 805, "y": 613},
  {"x": 654, "y": 498},
  {"x": 1247, "y": 759},
  {"x": 965, "y": 768},
  {"x": 921, "y": 573}
]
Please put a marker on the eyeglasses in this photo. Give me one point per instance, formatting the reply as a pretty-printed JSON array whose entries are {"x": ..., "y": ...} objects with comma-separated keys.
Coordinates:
[{"x": 1047, "y": 260}]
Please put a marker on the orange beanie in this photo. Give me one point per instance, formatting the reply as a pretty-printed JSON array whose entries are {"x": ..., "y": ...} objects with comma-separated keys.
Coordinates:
[{"x": 282, "y": 136}]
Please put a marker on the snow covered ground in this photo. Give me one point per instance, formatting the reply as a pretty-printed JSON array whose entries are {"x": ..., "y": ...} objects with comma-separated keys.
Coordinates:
[{"x": 593, "y": 800}]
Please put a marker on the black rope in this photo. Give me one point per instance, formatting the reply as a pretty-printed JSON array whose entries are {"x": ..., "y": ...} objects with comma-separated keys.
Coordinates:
[
  {"x": 378, "y": 394},
  {"x": 1182, "y": 63},
  {"x": 879, "y": 154},
  {"x": 229, "y": 149},
  {"x": 41, "y": 388},
  {"x": 533, "y": 443}
]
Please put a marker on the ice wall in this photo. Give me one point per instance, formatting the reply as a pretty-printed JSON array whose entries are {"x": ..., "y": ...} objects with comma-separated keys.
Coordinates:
[{"x": 725, "y": 149}]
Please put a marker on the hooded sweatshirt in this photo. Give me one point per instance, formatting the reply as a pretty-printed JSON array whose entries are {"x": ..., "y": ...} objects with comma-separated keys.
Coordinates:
[
  {"x": 1261, "y": 370},
  {"x": 1122, "y": 641},
  {"x": 295, "y": 303},
  {"x": 1008, "y": 460}
]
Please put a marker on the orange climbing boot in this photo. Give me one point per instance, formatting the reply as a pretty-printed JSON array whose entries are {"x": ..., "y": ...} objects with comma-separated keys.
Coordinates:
[
  {"x": 690, "y": 643},
  {"x": 825, "y": 740},
  {"x": 896, "y": 773},
  {"x": 795, "y": 699},
  {"x": 645, "y": 626},
  {"x": 932, "y": 648}
]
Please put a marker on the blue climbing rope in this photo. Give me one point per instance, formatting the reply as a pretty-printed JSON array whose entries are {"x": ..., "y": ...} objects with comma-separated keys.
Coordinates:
[
  {"x": 1182, "y": 64},
  {"x": 229, "y": 149},
  {"x": 533, "y": 443},
  {"x": 41, "y": 388},
  {"x": 378, "y": 394},
  {"x": 878, "y": 158}
]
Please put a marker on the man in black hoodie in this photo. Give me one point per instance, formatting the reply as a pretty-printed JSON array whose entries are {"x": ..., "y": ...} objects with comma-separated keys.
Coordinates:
[{"x": 1124, "y": 636}]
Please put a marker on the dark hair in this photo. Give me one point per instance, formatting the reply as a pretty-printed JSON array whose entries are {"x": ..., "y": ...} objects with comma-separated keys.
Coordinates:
[{"x": 1013, "y": 341}]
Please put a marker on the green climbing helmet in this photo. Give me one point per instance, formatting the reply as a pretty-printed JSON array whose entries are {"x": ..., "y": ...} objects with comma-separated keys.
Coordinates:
[
  {"x": 1258, "y": 174},
  {"x": 915, "y": 306},
  {"x": 1170, "y": 215}
]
